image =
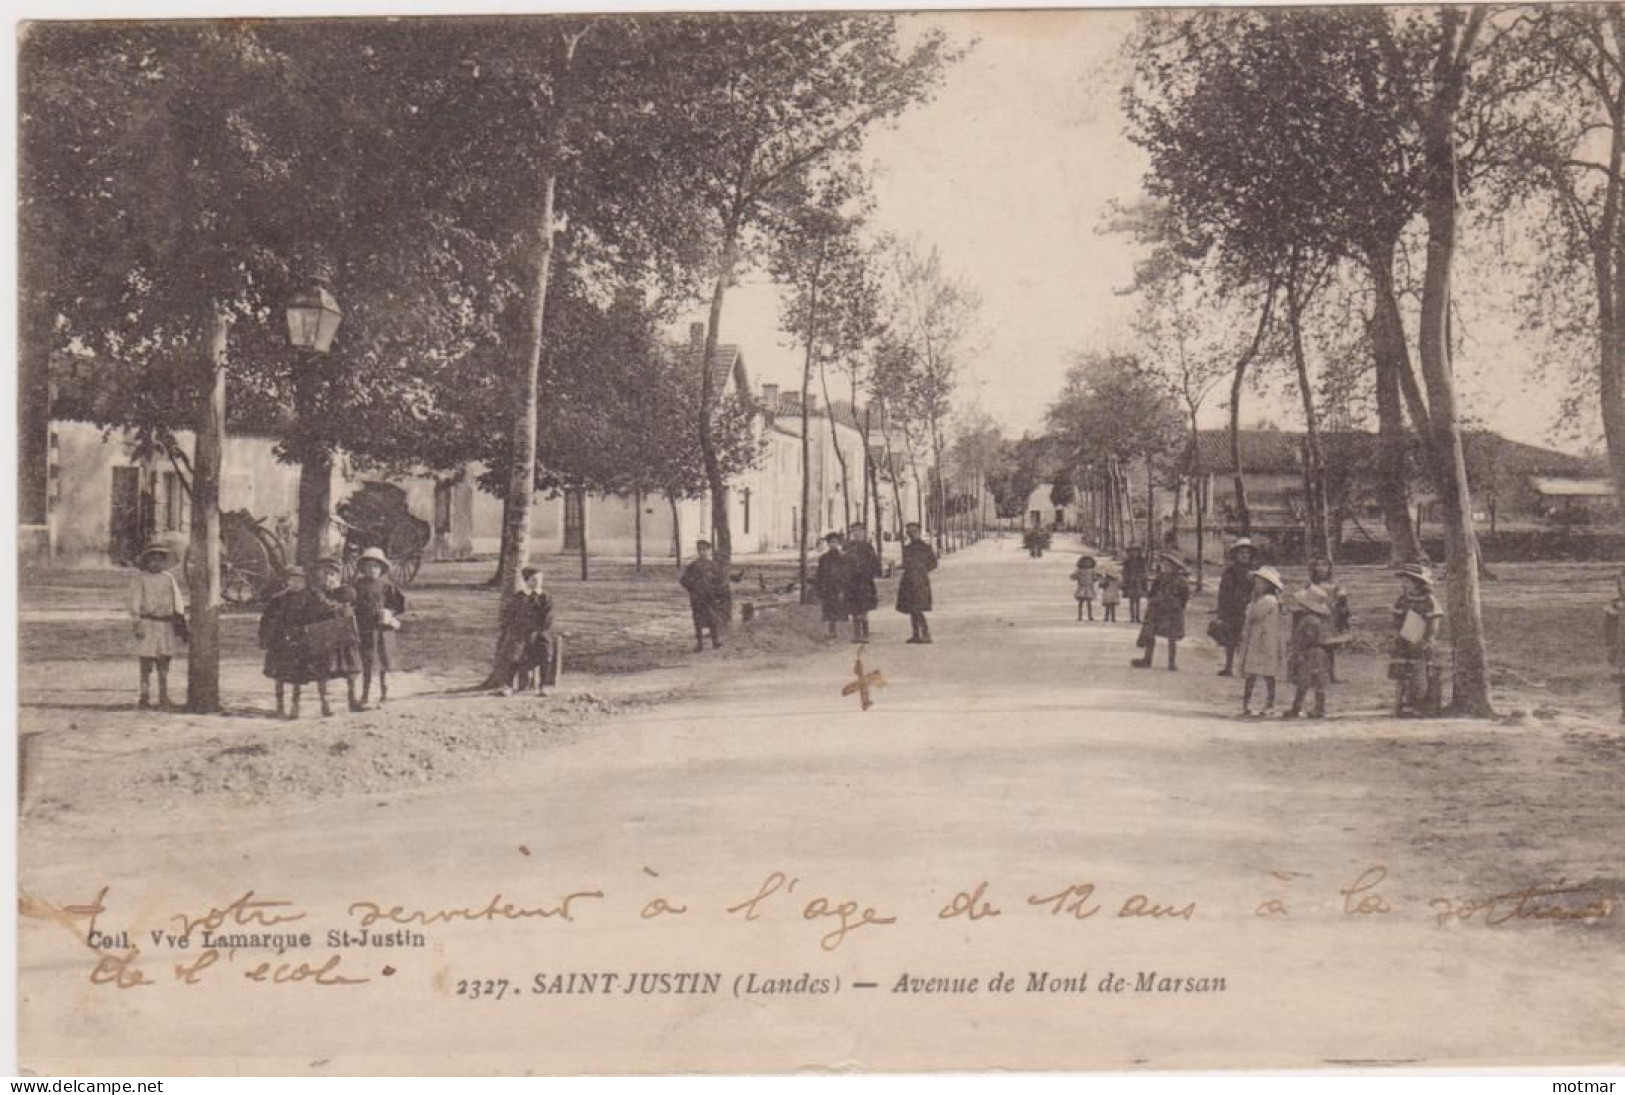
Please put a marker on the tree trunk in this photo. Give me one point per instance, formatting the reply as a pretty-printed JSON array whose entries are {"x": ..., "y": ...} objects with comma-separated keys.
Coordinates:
[
  {"x": 521, "y": 487},
  {"x": 1317, "y": 534},
  {"x": 676, "y": 531},
  {"x": 835, "y": 443},
  {"x": 721, "y": 523},
  {"x": 1470, "y": 692},
  {"x": 1391, "y": 358},
  {"x": 315, "y": 470},
  {"x": 1608, "y": 251},
  {"x": 582, "y": 541},
  {"x": 1244, "y": 515},
  {"x": 637, "y": 528},
  {"x": 203, "y": 583}
]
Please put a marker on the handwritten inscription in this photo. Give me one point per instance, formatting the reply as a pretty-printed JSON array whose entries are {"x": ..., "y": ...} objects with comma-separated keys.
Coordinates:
[{"x": 249, "y": 935}]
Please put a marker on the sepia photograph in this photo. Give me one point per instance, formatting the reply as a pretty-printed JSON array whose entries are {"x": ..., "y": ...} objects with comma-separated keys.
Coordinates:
[{"x": 832, "y": 541}]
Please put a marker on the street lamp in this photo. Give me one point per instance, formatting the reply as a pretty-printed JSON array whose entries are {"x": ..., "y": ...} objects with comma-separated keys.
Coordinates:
[
  {"x": 313, "y": 320},
  {"x": 313, "y": 317}
]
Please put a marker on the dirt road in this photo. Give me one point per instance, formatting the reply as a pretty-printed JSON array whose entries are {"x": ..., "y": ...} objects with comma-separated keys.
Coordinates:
[{"x": 1036, "y": 855}]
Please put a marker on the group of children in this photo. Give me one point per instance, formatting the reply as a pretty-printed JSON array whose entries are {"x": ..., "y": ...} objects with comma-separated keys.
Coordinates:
[
  {"x": 1268, "y": 634},
  {"x": 1272, "y": 634},
  {"x": 330, "y": 630}
]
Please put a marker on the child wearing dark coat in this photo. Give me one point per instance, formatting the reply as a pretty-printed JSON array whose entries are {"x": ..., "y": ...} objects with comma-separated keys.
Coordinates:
[
  {"x": 864, "y": 567},
  {"x": 379, "y": 603},
  {"x": 1135, "y": 574},
  {"x": 337, "y": 652},
  {"x": 281, "y": 636},
  {"x": 527, "y": 636},
  {"x": 1307, "y": 662}
]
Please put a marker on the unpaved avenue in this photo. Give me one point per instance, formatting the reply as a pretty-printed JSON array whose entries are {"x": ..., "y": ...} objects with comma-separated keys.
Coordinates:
[{"x": 1020, "y": 751}]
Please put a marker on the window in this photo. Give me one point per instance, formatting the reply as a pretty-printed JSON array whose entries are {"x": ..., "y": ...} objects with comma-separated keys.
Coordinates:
[
  {"x": 171, "y": 503},
  {"x": 575, "y": 519}
]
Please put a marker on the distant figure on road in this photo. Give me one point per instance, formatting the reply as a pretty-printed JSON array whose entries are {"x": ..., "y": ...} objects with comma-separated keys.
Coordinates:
[
  {"x": 1235, "y": 594},
  {"x": 1165, "y": 611},
  {"x": 156, "y": 614},
  {"x": 914, "y": 591},
  {"x": 707, "y": 589},
  {"x": 1613, "y": 633},
  {"x": 833, "y": 581},
  {"x": 1111, "y": 595},
  {"x": 863, "y": 598},
  {"x": 1083, "y": 586},
  {"x": 1417, "y": 617},
  {"x": 1261, "y": 646},
  {"x": 1134, "y": 580}
]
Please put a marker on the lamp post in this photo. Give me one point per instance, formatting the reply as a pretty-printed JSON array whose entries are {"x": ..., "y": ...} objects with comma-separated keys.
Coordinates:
[{"x": 313, "y": 319}]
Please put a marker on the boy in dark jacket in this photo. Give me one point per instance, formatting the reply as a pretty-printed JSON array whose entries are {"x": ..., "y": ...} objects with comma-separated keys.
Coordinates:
[
  {"x": 1235, "y": 595},
  {"x": 864, "y": 564},
  {"x": 527, "y": 635},
  {"x": 833, "y": 581}
]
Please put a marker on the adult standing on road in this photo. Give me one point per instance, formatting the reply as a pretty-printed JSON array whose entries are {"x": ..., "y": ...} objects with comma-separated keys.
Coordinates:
[
  {"x": 1134, "y": 579},
  {"x": 914, "y": 591},
  {"x": 1165, "y": 611},
  {"x": 863, "y": 597},
  {"x": 833, "y": 580},
  {"x": 1235, "y": 595},
  {"x": 707, "y": 589}
]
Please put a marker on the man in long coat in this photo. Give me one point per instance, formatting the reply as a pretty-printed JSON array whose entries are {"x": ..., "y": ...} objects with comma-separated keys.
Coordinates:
[
  {"x": 833, "y": 581},
  {"x": 1235, "y": 594},
  {"x": 707, "y": 589},
  {"x": 914, "y": 591},
  {"x": 864, "y": 564}
]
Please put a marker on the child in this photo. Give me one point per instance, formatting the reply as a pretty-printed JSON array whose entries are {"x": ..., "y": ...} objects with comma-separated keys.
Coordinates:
[
  {"x": 332, "y": 641},
  {"x": 378, "y": 603},
  {"x": 707, "y": 594},
  {"x": 1417, "y": 617},
  {"x": 527, "y": 636},
  {"x": 1614, "y": 638},
  {"x": 1306, "y": 665},
  {"x": 155, "y": 613},
  {"x": 1111, "y": 594},
  {"x": 1165, "y": 611},
  {"x": 833, "y": 580},
  {"x": 1261, "y": 640},
  {"x": 1320, "y": 576},
  {"x": 1083, "y": 578},
  {"x": 280, "y": 630},
  {"x": 1134, "y": 577}
]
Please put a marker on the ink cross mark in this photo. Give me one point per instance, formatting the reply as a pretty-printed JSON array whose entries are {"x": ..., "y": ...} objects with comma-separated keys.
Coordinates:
[{"x": 864, "y": 683}]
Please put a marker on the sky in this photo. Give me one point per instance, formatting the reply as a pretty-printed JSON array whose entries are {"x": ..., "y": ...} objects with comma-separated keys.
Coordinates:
[{"x": 1012, "y": 172}]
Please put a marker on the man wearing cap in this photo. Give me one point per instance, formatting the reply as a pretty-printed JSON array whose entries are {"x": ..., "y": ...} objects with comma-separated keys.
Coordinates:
[
  {"x": 156, "y": 608},
  {"x": 1235, "y": 594},
  {"x": 379, "y": 603},
  {"x": 914, "y": 590},
  {"x": 864, "y": 566},
  {"x": 707, "y": 589},
  {"x": 1165, "y": 611}
]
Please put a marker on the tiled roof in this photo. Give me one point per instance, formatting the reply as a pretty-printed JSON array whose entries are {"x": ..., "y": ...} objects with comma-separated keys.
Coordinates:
[{"x": 1264, "y": 451}]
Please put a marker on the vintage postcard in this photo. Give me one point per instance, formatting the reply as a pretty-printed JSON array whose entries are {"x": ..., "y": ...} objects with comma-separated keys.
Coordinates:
[{"x": 821, "y": 541}]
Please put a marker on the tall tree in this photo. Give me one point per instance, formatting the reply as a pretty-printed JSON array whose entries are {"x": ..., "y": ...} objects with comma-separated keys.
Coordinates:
[{"x": 766, "y": 103}]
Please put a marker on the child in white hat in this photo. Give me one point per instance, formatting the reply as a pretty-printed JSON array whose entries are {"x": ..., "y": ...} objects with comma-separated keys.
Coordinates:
[
  {"x": 379, "y": 604},
  {"x": 1261, "y": 643},
  {"x": 157, "y": 615}
]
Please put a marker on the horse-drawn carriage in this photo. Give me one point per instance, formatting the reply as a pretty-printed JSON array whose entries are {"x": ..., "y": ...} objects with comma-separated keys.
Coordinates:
[{"x": 254, "y": 562}]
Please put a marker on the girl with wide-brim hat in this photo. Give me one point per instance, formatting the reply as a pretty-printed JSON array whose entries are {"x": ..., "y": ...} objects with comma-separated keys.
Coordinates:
[
  {"x": 157, "y": 614},
  {"x": 379, "y": 603}
]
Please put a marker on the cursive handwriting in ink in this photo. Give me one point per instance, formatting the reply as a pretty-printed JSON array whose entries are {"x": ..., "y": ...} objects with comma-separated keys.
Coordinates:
[
  {"x": 244, "y": 911},
  {"x": 371, "y": 912}
]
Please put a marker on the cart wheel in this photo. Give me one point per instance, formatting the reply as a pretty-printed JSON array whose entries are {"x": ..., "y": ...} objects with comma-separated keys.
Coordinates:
[{"x": 407, "y": 569}]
